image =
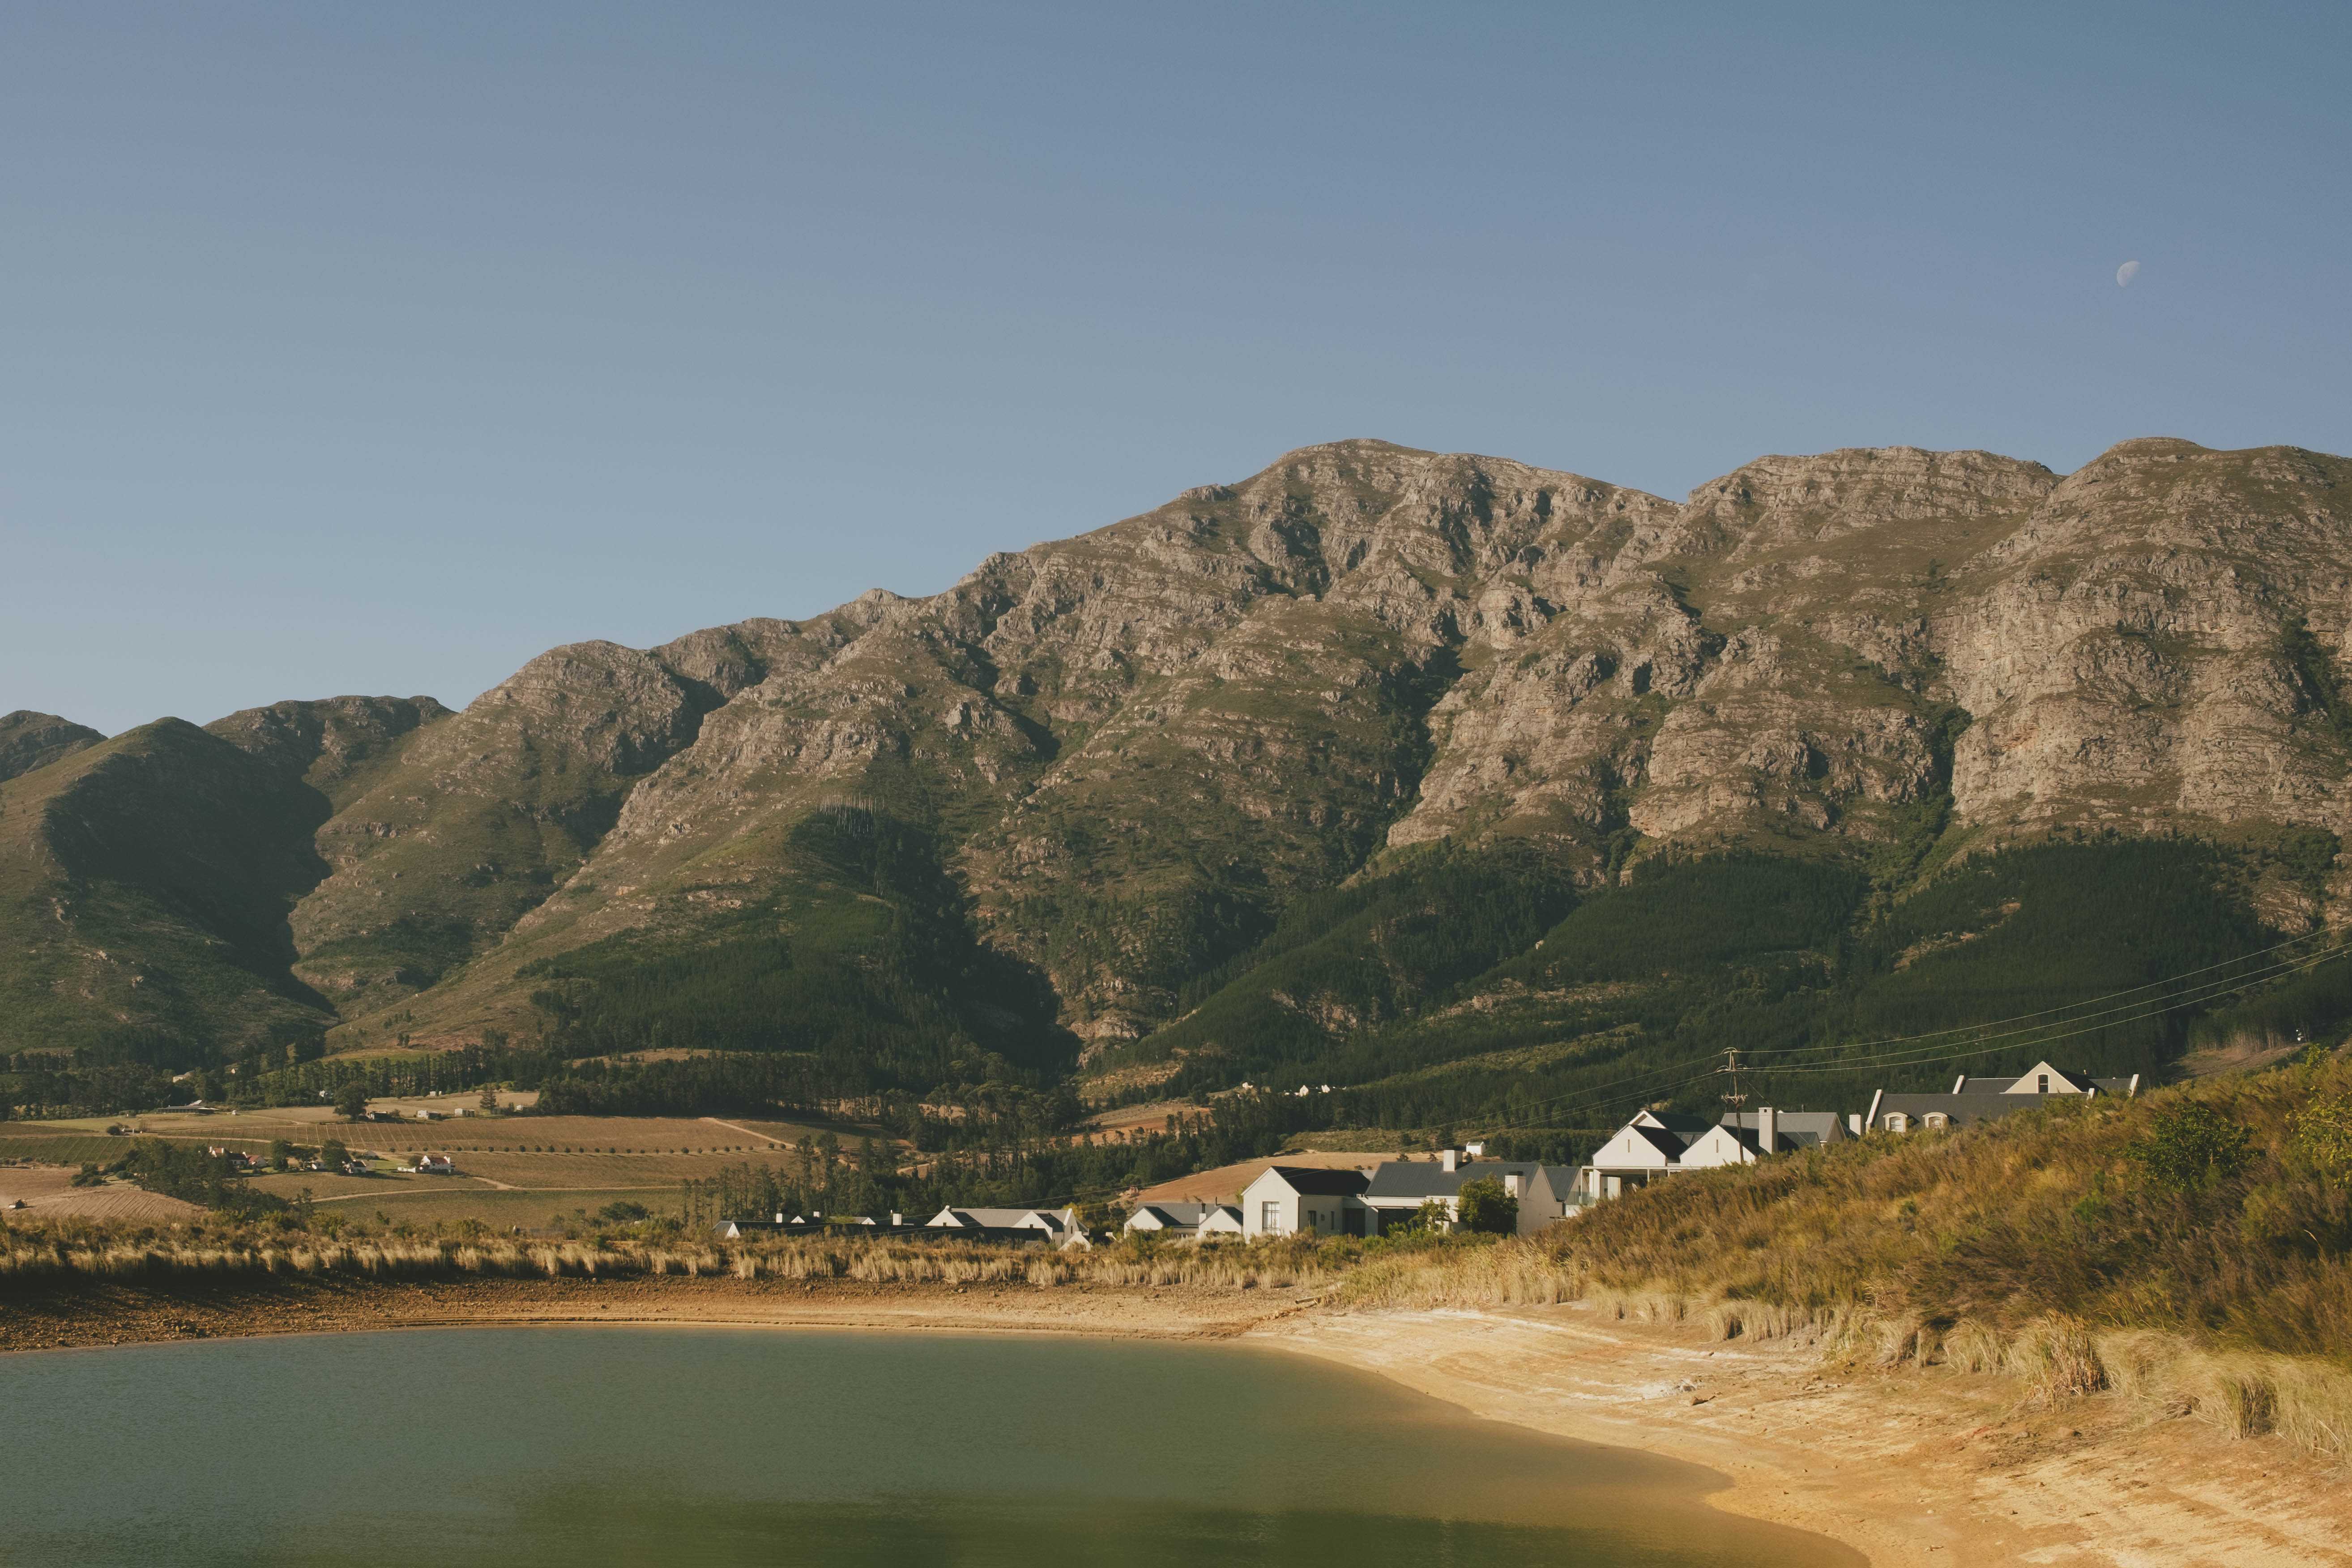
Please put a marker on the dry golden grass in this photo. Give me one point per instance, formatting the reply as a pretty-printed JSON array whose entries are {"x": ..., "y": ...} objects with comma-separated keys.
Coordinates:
[
  {"x": 43, "y": 1252},
  {"x": 2036, "y": 1248}
]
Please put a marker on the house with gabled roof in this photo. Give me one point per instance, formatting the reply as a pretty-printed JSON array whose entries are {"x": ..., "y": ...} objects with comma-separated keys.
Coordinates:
[
  {"x": 1649, "y": 1146},
  {"x": 1055, "y": 1227},
  {"x": 1655, "y": 1144},
  {"x": 1983, "y": 1099},
  {"x": 1286, "y": 1200},
  {"x": 1184, "y": 1221},
  {"x": 1399, "y": 1188}
]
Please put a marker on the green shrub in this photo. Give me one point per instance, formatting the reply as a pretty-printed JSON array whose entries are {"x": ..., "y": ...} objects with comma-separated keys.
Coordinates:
[{"x": 1486, "y": 1209}]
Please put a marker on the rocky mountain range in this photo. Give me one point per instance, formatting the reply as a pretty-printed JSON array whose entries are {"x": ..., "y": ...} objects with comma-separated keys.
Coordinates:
[{"x": 1126, "y": 755}]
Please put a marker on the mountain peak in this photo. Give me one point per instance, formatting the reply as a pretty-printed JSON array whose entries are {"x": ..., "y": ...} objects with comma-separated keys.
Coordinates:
[{"x": 30, "y": 740}]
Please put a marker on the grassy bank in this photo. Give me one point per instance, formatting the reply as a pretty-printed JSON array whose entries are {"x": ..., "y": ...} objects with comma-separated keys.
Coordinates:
[
  {"x": 2192, "y": 1248},
  {"x": 40, "y": 1254}
]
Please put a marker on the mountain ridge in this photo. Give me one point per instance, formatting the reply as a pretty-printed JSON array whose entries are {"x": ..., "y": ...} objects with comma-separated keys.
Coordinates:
[{"x": 1133, "y": 750}]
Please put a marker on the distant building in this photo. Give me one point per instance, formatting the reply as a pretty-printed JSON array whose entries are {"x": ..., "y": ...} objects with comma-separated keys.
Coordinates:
[
  {"x": 1285, "y": 1200},
  {"x": 1655, "y": 1144},
  {"x": 1400, "y": 1187},
  {"x": 736, "y": 1230},
  {"x": 436, "y": 1165},
  {"x": 1649, "y": 1146},
  {"x": 1185, "y": 1221},
  {"x": 1055, "y": 1228},
  {"x": 1973, "y": 1100}
]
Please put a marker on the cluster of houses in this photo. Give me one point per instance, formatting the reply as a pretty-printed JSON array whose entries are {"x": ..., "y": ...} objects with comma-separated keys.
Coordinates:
[
  {"x": 1286, "y": 1200},
  {"x": 1655, "y": 1144},
  {"x": 1296, "y": 1200},
  {"x": 1293, "y": 1200},
  {"x": 1035, "y": 1226}
]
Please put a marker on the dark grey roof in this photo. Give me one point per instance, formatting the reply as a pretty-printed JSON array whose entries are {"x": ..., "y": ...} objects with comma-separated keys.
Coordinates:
[
  {"x": 1963, "y": 1108},
  {"x": 1666, "y": 1141},
  {"x": 1791, "y": 1129},
  {"x": 1182, "y": 1215},
  {"x": 1397, "y": 1179},
  {"x": 1320, "y": 1183},
  {"x": 1689, "y": 1126}
]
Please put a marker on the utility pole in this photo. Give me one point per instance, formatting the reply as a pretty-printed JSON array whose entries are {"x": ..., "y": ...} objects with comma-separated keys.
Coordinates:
[{"x": 1732, "y": 1068}]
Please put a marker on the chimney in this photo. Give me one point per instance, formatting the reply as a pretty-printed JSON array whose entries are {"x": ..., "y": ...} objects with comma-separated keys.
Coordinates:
[
  {"x": 1450, "y": 1159},
  {"x": 780, "y": 1217},
  {"x": 898, "y": 1218},
  {"x": 1475, "y": 1151},
  {"x": 1767, "y": 1130},
  {"x": 1854, "y": 1122}
]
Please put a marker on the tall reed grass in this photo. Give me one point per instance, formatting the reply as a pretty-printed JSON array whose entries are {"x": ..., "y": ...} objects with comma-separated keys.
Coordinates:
[
  {"x": 48, "y": 1254},
  {"x": 2037, "y": 1247}
]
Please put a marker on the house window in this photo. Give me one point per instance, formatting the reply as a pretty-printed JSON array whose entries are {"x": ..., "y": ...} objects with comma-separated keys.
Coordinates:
[
  {"x": 1269, "y": 1216},
  {"x": 1936, "y": 1120},
  {"x": 1898, "y": 1122},
  {"x": 2042, "y": 1084}
]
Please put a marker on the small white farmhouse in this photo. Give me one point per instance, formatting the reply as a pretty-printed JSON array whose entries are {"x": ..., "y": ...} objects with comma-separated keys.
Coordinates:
[{"x": 1289, "y": 1199}]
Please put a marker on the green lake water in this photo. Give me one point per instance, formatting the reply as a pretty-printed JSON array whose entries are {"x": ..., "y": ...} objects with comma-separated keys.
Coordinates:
[{"x": 527, "y": 1446}]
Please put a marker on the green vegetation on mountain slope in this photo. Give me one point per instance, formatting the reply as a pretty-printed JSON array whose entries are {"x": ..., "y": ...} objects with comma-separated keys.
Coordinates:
[
  {"x": 1634, "y": 997},
  {"x": 868, "y": 971},
  {"x": 144, "y": 885}
]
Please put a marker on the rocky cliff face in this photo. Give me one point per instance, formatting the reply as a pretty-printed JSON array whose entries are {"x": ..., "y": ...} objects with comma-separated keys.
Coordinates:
[{"x": 1133, "y": 748}]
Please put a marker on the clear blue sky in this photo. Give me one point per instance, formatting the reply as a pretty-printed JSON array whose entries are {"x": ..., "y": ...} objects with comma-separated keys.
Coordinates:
[{"x": 376, "y": 348}]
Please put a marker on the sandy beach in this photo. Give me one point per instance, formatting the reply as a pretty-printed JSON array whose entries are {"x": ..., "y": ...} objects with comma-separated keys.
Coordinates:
[{"x": 1907, "y": 1469}]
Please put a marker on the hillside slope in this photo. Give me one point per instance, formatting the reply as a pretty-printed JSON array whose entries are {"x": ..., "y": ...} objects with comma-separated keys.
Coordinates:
[
  {"x": 30, "y": 740},
  {"x": 144, "y": 885}
]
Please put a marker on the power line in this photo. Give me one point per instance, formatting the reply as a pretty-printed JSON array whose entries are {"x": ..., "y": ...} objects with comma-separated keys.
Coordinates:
[
  {"x": 2149, "y": 1007},
  {"x": 2068, "y": 1007},
  {"x": 1941, "y": 1054}
]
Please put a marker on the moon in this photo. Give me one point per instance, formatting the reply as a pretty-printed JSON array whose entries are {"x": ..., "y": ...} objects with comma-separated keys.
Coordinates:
[{"x": 2125, "y": 273}]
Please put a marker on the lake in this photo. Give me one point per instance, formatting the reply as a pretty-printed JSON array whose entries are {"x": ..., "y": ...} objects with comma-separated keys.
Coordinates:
[{"x": 518, "y": 1447}]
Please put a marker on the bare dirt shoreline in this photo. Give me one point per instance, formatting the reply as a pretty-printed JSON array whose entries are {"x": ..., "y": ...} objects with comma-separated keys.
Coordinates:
[{"x": 1906, "y": 1469}]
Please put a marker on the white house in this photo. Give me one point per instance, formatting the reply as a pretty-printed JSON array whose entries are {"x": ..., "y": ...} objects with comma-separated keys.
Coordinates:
[
  {"x": 1649, "y": 1146},
  {"x": 1400, "y": 1187},
  {"x": 1057, "y": 1227},
  {"x": 1745, "y": 1136},
  {"x": 1184, "y": 1221},
  {"x": 1285, "y": 1200},
  {"x": 1659, "y": 1143},
  {"x": 1971, "y": 1101}
]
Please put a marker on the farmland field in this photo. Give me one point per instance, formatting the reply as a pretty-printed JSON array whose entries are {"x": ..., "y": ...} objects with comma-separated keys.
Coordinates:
[
  {"x": 48, "y": 1193},
  {"x": 429, "y": 1203},
  {"x": 309, "y": 1124},
  {"x": 511, "y": 1170},
  {"x": 49, "y": 1145}
]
